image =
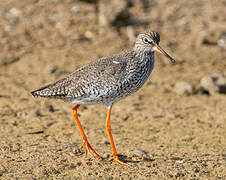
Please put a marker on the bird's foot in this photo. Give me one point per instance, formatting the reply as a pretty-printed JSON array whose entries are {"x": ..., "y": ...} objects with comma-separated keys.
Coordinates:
[
  {"x": 116, "y": 159},
  {"x": 87, "y": 147}
]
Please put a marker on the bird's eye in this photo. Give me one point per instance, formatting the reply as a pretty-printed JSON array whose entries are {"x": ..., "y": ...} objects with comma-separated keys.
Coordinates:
[{"x": 146, "y": 40}]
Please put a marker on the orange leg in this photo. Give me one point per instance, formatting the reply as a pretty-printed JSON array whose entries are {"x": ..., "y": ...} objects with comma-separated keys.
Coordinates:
[
  {"x": 85, "y": 144},
  {"x": 108, "y": 127}
]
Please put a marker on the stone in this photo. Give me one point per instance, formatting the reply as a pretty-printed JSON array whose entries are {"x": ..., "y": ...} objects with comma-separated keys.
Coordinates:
[
  {"x": 140, "y": 152},
  {"x": 215, "y": 83},
  {"x": 184, "y": 88},
  {"x": 222, "y": 40},
  {"x": 109, "y": 10}
]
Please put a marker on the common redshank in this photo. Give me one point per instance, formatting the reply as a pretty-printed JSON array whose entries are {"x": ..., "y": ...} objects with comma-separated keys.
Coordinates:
[{"x": 106, "y": 81}]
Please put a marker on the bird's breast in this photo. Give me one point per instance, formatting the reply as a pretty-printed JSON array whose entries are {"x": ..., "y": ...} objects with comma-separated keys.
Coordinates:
[
  {"x": 138, "y": 74},
  {"x": 145, "y": 69}
]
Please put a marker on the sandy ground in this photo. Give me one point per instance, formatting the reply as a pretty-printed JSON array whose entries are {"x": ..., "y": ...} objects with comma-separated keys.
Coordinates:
[{"x": 160, "y": 134}]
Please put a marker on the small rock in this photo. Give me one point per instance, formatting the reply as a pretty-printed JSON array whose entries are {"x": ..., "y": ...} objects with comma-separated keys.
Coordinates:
[
  {"x": 184, "y": 88},
  {"x": 75, "y": 9},
  {"x": 73, "y": 165},
  {"x": 13, "y": 14},
  {"x": 187, "y": 138},
  {"x": 89, "y": 35},
  {"x": 125, "y": 118},
  {"x": 140, "y": 152},
  {"x": 36, "y": 113},
  {"x": 213, "y": 84},
  {"x": 116, "y": 13},
  {"x": 52, "y": 69},
  {"x": 80, "y": 37},
  {"x": 207, "y": 85},
  {"x": 50, "y": 107},
  {"x": 222, "y": 40},
  {"x": 21, "y": 114},
  {"x": 220, "y": 81},
  {"x": 109, "y": 10},
  {"x": 179, "y": 162}
]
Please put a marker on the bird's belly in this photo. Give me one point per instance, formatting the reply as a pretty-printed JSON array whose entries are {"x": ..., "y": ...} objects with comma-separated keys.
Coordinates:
[{"x": 109, "y": 94}]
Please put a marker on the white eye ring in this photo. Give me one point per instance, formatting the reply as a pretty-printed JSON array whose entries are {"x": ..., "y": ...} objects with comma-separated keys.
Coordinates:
[{"x": 146, "y": 40}]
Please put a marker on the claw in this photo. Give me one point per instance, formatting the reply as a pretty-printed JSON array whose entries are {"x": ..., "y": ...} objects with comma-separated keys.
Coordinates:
[
  {"x": 88, "y": 147},
  {"x": 116, "y": 159}
]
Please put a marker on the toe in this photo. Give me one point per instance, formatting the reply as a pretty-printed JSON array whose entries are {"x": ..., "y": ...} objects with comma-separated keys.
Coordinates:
[{"x": 116, "y": 159}]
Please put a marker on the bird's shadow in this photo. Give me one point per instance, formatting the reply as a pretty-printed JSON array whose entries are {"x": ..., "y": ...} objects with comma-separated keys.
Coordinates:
[
  {"x": 126, "y": 159},
  {"x": 123, "y": 158}
]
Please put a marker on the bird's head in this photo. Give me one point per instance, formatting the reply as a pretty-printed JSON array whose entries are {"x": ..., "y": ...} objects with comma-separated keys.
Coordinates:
[{"x": 149, "y": 41}]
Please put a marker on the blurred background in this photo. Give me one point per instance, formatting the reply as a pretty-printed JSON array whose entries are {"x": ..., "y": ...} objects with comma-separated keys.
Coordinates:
[{"x": 173, "y": 127}]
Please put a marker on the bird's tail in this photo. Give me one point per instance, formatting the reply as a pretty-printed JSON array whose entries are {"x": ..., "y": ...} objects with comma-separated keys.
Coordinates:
[
  {"x": 56, "y": 90},
  {"x": 42, "y": 92}
]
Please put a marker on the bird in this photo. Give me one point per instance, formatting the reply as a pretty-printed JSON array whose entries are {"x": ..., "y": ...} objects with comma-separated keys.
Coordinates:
[{"x": 106, "y": 81}]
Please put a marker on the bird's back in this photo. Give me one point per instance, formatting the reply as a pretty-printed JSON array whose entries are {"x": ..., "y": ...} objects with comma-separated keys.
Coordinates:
[
  {"x": 101, "y": 81},
  {"x": 111, "y": 78}
]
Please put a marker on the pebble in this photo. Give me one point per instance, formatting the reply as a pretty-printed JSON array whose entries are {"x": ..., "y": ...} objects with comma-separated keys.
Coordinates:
[
  {"x": 50, "y": 107},
  {"x": 75, "y": 9},
  {"x": 184, "y": 88},
  {"x": 187, "y": 138},
  {"x": 139, "y": 152},
  {"x": 12, "y": 14},
  {"x": 36, "y": 113},
  {"x": 109, "y": 10},
  {"x": 179, "y": 162},
  {"x": 222, "y": 40},
  {"x": 213, "y": 84},
  {"x": 52, "y": 69}
]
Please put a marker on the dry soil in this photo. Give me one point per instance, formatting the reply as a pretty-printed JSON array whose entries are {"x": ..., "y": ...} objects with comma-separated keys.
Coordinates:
[{"x": 161, "y": 134}]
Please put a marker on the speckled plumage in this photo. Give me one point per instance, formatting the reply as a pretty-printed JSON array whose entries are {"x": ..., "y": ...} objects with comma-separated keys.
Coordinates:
[
  {"x": 106, "y": 81},
  {"x": 109, "y": 79}
]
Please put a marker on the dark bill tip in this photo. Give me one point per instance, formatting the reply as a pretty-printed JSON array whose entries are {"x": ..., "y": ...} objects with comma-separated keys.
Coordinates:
[{"x": 160, "y": 50}]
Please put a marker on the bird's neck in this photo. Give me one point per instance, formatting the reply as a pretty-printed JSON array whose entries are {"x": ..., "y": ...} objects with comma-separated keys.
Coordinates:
[{"x": 144, "y": 55}]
